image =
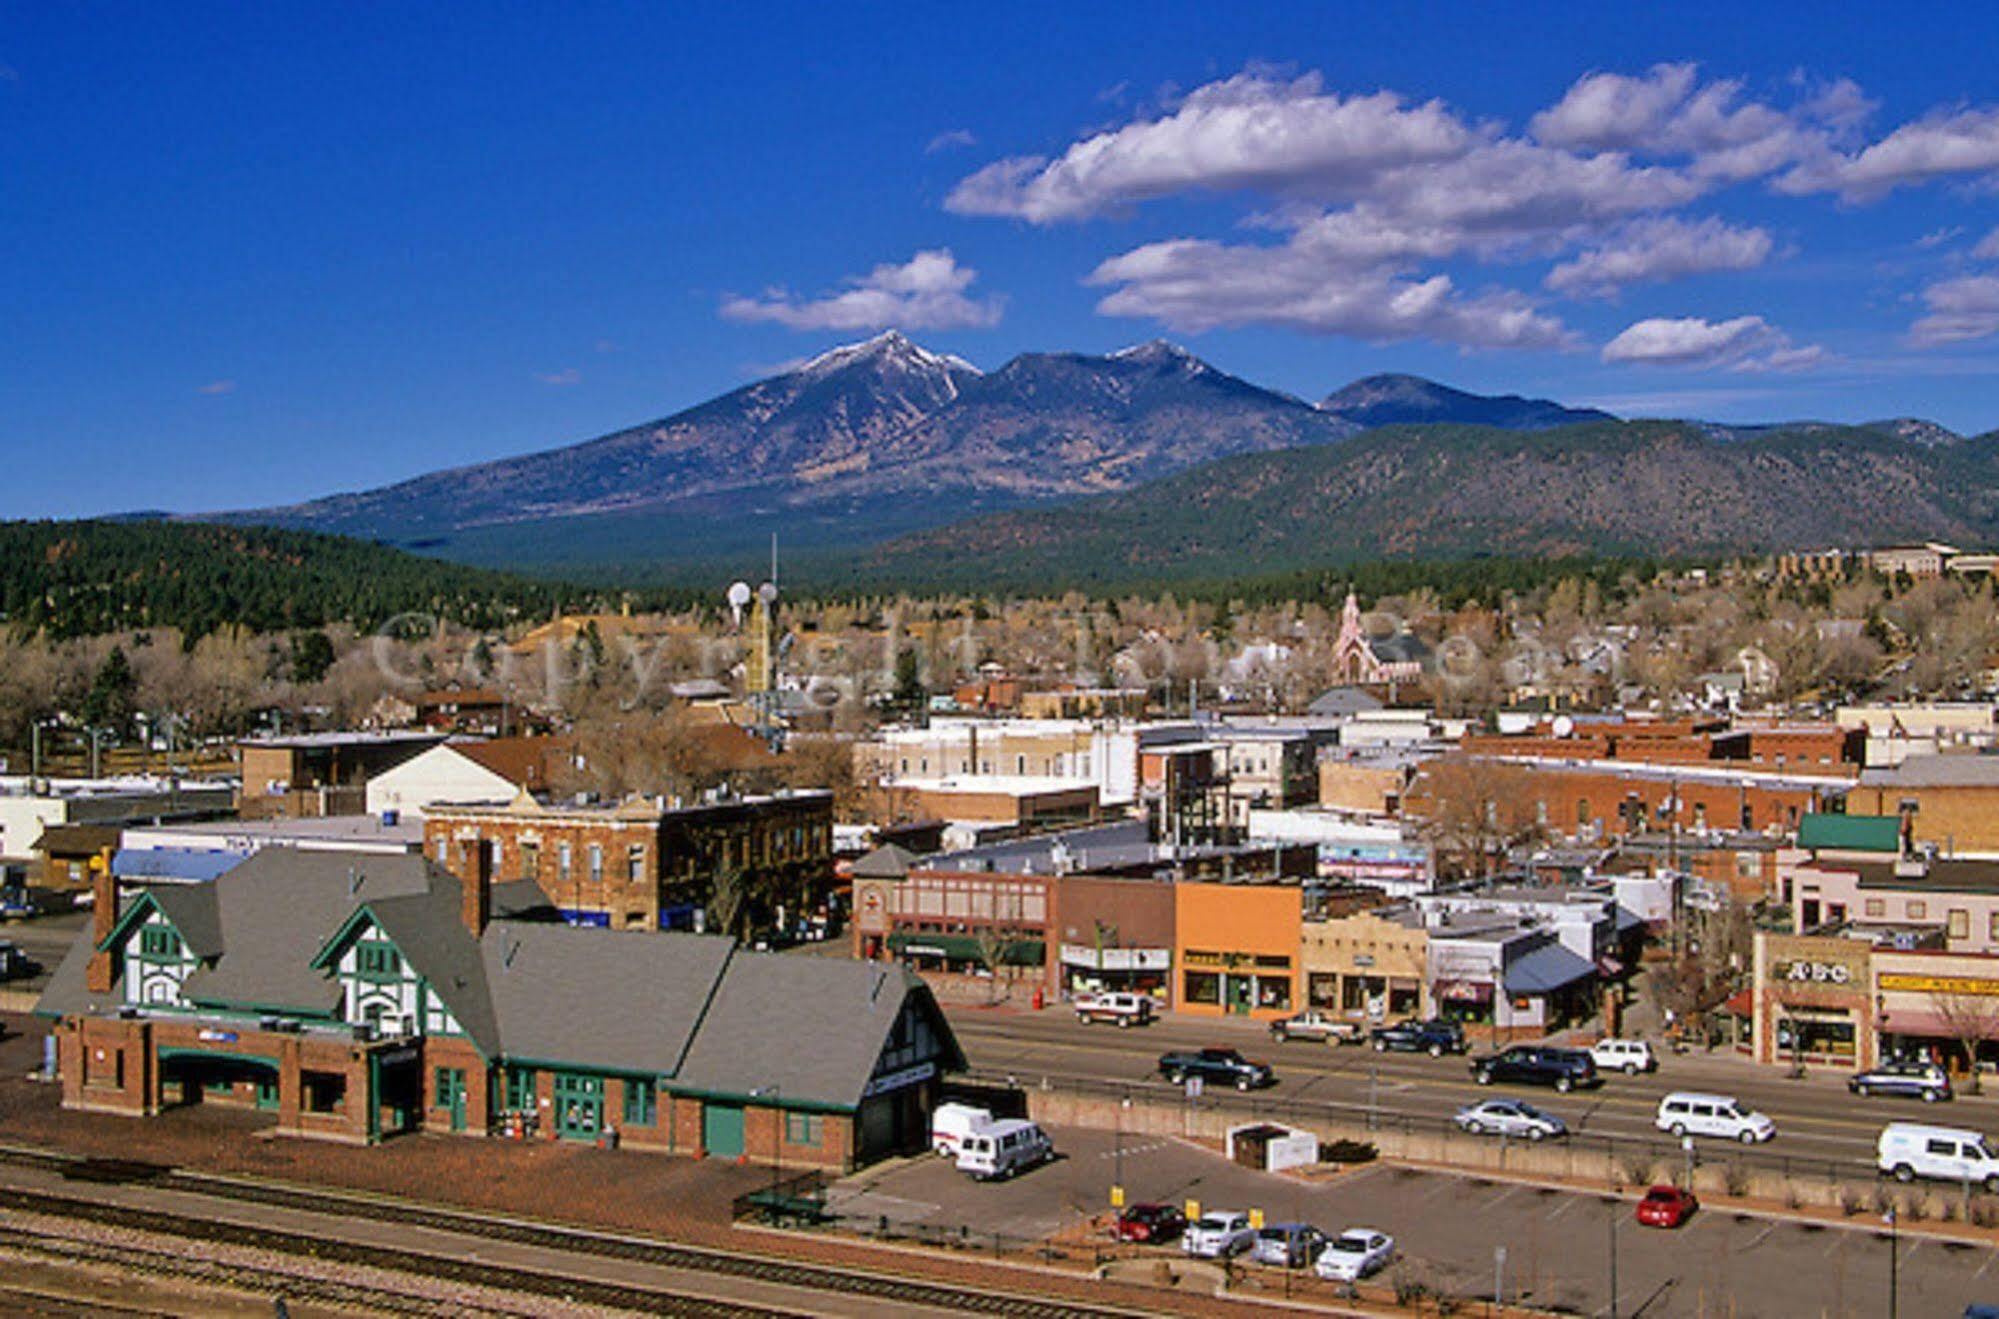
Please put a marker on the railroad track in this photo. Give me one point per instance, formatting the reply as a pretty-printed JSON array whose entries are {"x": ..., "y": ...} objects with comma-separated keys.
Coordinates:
[{"x": 572, "y": 1241}]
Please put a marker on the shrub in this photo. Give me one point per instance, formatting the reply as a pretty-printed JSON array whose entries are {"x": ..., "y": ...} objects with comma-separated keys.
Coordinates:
[
  {"x": 1348, "y": 1151},
  {"x": 1851, "y": 1201},
  {"x": 1637, "y": 1168},
  {"x": 1735, "y": 1179}
]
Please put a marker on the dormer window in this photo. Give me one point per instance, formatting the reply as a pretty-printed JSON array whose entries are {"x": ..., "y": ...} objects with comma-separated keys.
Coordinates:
[
  {"x": 378, "y": 961},
  {"x": 159, "y": 943}
]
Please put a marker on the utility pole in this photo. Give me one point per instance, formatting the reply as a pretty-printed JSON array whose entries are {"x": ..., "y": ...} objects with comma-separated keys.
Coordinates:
[{"x": 1893, "y": 1289}]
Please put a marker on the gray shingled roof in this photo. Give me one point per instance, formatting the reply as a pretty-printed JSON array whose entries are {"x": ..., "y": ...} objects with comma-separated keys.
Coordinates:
[
  {"x": 278, "y": 908},
  {"x": 626, "y": 1000},
  {"x": 811, "y": 1028},
  {"x": 687, "y": 1007},
  {"x": 889, "y": 861}
]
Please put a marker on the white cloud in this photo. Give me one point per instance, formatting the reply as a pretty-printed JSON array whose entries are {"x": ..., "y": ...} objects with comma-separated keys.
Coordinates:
[
  {"x": 1938, "y": 237},
  {"x": 1746, "y": 343},
  {"x": 928, "y": 292},
  {"x": 1940, "y": 145},
  {"x": 1668, "y": 111},
  {"x": 1193, "y": 286},
  {"x": 1250, "y": 132},
  {"x": 215, "y": 388},
  {"x": 1959, "y": 309},
  {"x": 950, "y": 138},
  {"x": 568, "y": 375},
  {"x": 1660, "y": 248},
  {"x": 1988, "y": 247}
]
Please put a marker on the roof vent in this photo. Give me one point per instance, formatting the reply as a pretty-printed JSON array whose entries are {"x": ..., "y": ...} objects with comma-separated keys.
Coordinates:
[
  {"x": 353, "y": 880},
  {"x": 513, "y": 946}
]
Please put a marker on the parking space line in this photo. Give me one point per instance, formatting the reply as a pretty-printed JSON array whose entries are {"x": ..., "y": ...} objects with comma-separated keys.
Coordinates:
[
  {"x": 1761, "y": 1236},
  {"x": 1990, "y": 1256}
]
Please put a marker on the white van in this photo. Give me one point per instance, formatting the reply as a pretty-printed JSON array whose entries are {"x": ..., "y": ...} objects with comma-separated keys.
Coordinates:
[
  {"x": 951, "y": 1123},
  {"x": 1628, "y": 1056},
  {"x": 1910, "y": 1150},
  {"x": 1003, "y": 1149},
  {"x": 1685, "y": 1113}
]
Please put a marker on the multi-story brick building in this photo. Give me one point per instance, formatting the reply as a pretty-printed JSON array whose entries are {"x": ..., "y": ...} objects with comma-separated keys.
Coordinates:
[
  {"x": 353, "y": 997},
  {"x": 1950, "y": 802},
  {"x": 645, "y": 864}
]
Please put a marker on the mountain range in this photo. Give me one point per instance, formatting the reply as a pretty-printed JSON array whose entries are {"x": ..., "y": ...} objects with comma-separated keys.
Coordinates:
[{"x": 881, "y": 450}]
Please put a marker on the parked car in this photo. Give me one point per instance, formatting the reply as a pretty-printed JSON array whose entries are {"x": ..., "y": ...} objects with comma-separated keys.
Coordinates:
[
  {"x": 1435, "y": 1037},
  {"x": 1150, "y": 1223},
  {"x": 951, "y": 1123},
  {"x": 15, "y": 964},
  {"x": 1510, "y": 1117},
  {"x": 1354, "y": 1254},
  {"x": 1119, "y": 1009},
  {"x": 1909, "y": 1080},
  {"x": 1908, "y": 1150},
  {"x": 1288, "y": 1245},
  {"x": 1215, "y": 1066},
  {"x": 1218, "y": 1235},
  {"x": 1628, "y": 1056},
  {"x": 1666, "y": 1206},
  {"x": 1535, "y": 1064},
  {"x": 1312, "y": 1024},
  {"x": 1006, "y": 1147},
  {"x": 1686, "y": 1113}
]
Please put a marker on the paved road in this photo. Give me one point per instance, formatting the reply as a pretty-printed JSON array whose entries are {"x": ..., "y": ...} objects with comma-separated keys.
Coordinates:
[
  {"x": 1816, "y": 1118},
  {"x": 46, "y": 939},
  {"x": 1558, "y": 1244}
]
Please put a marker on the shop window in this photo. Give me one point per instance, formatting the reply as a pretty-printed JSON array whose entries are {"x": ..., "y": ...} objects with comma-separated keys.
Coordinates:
[
  {"x": 322, "y": 1092},
  {"x": 641, "y": 1103},
  {"x": 806, "y": 1129},
  {"x": 1960, "y": 923},
  {"x": 1274, "y": 994},
  {"x": 520, "y": 1089},
  {"x": 1876, "y": 907},
  {"x": 1916, "y": 910},
  {"x": 1203, "y": 987}
]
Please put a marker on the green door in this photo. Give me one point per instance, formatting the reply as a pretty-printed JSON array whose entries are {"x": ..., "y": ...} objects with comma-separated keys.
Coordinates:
[
  {"x": 267, "y": 1093},
  {"x": 579, "y": 1106},
  {"x": 1238, "y": 989},
  {"x": 451, "y": 1094},
  {"x": 722, "y": 1130}
]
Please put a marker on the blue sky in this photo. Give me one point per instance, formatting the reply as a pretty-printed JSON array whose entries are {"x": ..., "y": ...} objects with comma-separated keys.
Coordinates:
[{"x": 252, "y": 254}]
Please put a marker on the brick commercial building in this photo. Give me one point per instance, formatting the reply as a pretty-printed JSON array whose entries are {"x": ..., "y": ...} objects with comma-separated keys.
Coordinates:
[
  {"x": 1601, "y": 799},
  {"x": 1951, "y": 802},
  {"x": 646, "y": 864},
  {"x": 358, "y": 997}
]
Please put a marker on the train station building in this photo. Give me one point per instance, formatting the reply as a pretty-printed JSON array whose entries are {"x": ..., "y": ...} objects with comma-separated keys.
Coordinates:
[{"x": 356, "y": 997}]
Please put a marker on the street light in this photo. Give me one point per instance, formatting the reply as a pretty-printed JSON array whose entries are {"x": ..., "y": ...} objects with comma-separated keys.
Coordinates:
[{"x": 1893, "y": 1288}]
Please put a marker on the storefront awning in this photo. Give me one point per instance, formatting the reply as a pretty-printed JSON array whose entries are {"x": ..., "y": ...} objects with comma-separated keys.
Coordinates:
[
  {"x": 1089, "y": 957},
  {"x": 965, "y": 948},
  {"x": 1916, "y": 1022},
  {"x": 1545, "y": 970}
]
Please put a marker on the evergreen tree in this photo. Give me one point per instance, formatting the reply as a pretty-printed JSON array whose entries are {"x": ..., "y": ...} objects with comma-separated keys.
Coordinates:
[{"x": 109, "y": 703}]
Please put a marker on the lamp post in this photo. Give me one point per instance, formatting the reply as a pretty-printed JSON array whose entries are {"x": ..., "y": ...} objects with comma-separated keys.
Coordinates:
[{"x": 1615, "y": 1205}]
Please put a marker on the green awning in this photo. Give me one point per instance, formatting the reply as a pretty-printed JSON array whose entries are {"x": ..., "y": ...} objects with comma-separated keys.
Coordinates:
[
  {"x": 965, "y": 948},
  {"x": 217, "y": 1055},
  {"x": 1850, "y": 833}
]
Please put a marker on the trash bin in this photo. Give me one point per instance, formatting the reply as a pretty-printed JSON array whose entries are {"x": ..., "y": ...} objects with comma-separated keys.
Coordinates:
[{"x": 1039, "y": 1001}]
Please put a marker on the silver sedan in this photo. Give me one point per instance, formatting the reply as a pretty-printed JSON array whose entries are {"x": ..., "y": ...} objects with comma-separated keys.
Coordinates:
[{"x": 1510, "y": 1117}]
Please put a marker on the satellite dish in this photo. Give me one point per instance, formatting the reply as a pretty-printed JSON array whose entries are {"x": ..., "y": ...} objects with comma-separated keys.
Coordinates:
[
  {"x": 1564, "y": 726},
  {"x": 768, "y": 593},
  {"x": 738, "y": 596}
]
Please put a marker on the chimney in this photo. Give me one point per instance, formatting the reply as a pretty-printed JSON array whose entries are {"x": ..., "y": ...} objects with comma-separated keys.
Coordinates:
[
  {"x": 475, "y": 880},
  {"x": 103, "y": 916}
]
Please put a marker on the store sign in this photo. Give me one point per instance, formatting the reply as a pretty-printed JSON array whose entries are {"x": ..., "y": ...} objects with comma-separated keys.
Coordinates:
[
  {"x": 1091, "y": 957},
  {"x": 1914, "y": 984},
  {"x": 216, "y": 1036},
  {"x": 1815, "y": 973}
]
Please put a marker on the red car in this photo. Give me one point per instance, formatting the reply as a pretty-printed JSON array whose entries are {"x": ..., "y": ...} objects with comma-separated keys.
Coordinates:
[
  {"x": 1150, "y": 1222},
  {"x": 1666, "y": 1206}
]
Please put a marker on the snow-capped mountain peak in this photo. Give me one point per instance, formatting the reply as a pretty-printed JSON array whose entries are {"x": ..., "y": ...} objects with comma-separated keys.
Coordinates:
[{"x": 890, "y": 346}]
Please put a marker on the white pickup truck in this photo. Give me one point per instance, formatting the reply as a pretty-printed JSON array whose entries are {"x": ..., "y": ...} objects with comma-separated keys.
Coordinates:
[{"x": 1120, "y": 1009}]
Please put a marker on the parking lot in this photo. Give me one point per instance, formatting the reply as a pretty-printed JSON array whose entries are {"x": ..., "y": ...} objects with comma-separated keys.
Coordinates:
[{"x": 1558, "y": 1244}]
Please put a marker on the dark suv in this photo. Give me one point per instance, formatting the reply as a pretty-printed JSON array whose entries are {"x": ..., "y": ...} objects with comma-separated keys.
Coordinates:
[
  {"x": 1911, "y": 1080},
  {"x": 1534, "y": 1064},
  {"x": 1435, "y": 1037}
]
